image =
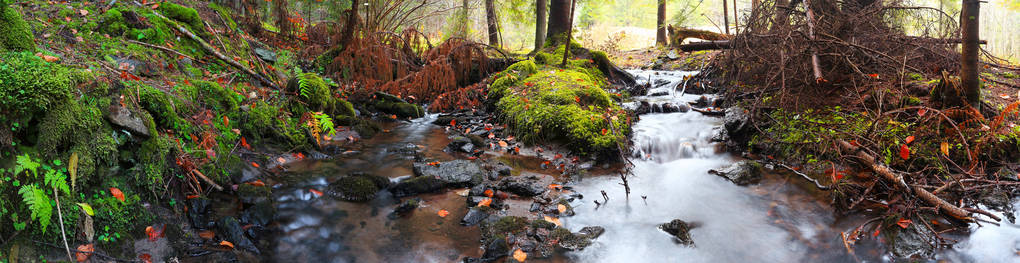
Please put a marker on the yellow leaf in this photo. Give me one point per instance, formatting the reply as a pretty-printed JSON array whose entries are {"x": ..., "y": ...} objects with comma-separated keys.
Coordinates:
[
  {"x": 553, "y": 220},
  {"x": 562, "y": 208},
  {"x": 945, "y": 148},
  {"x": 520, "y": 256},
  {"x": 72, "y": 168}
]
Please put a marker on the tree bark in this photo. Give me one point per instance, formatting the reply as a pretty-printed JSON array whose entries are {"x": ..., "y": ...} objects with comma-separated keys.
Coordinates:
[
  {"x": 352, "y": 21},
  {"x": 541, "y": 7},
  {"x": 660, "y": 23},
  {"x": 559, "y": 21},
  {"x": 725, "y": 17},
  {"x": 570, "y": 31},
  {"x": 969, "y": 66},
  {"x": 490, "y": 18},
  {"x": 465, "y": 20},
  {"x": 736, "y": 25}
]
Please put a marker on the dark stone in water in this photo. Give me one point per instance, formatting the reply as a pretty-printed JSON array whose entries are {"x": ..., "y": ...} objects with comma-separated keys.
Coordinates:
[
  {"x": 915, "y": 241},
  {"x": 460, "y": 144},
  {"x": 702, "y": 102},
  {"x": 656, "y": 108},
  {"x": 357, "y": 188},
  {"x": 496, "y": 249},
  {"x": 643, "y": 108},
  {"x": 522, "y": 186},
  {"x": 405, "y": 208},
  {"x": 417, "y": 185},
  {"x": 680, "y": 230},
  {"x": 669, "y": 108},
  {"x": 231, "y": 230},
  {"x": 741, "y": 173},
  {"x": 474, "y": 216},
  {"x": 457, "y": 173},
  {"x": 660, "y": 93},
  {"x": 260, "y": 214},
  {"x": 579, "y": 240},
  {"x": 737, "y": 125},
  {"x": 683, "y": 108},
  {"x": 198, "y": 212}
]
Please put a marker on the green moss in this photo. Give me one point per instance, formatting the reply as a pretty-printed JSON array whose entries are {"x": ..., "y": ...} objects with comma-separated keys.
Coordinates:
[
  {"x": 73, "y": 127},
  {"x": 508, "y": 224},
  {"x": 354, "y": 188},
  {"x": 542, "y": 224},
  {"x": 113, "y": 23},
  {"x": 315, "y": 94},
  {"x": 165, "y": 109},
  {"x": 29, "y": 85},
  {"x": 560, "y": 104},
  {"x": 323, "y": 61},
  {"x": 225, "y": 14},
  {"x": 153, "y": 161},
  {"x": 185, "y": 15},
  {"x": 216, "y": 97},
  {"x": 14, "y": 32}
]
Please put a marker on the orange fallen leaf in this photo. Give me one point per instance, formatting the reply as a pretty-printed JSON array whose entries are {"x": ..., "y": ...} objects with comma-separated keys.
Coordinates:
[
  {"x": 903, "y": 222},
  {"x": 145, "y": 258},
  {"x": 910, "y": 139},
  {"x": 453, "y": 123},
  {"x": 207, "y": 234},
  {"x": 488, "y": 193},
  {"x": 502, "y": 144},
  {"x": 555, "y": 186},
  {"x": 520, "y": 256},
  {"x": 562, "y": 208},
  {"x": 443, "y": 213},
  {"x": 189, "y": 197},
  {"x": 944, "y": 147},
  {"x": 553, "y": 220},
  {"x": 227, "y": 244},
  {"x": 256, "y": 165},
  {"x": 492, "y": 135},
  {"x": 922, "y": 111},
  {"x": 258, "y": 183},
  {"x": 281, "y": 160},
  {"x": 84, "y": 252},
  {"x": 485, "y": 202},
  {"x": 226, "y": 121},
  {"x": 316, "y": 192},
  {"x": 155, "y": 233},
  {"x": 468, "y": 130},
  {"x": 117, "y": 193}
]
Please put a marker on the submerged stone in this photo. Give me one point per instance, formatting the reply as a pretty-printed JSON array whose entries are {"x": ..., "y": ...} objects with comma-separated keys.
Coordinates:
[
  {"x": 680, "y": 230},
  {"x": 457, "y": 173},
  {"x": 741, "y": 173},
  {"x": 357, "y": 188}
]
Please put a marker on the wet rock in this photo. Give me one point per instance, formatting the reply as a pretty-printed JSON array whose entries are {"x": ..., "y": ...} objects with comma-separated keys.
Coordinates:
[
  {"x": 702, "y": 102},
  {"x": 265, "y": 54},
  {"x": 660, "y": 93},
  {"x": 231, "y": 230},
  {"x": 260, "y": 214},
  {"x": 496, "y": 249},
  {"x": 158, "y": 250},
  {"x": 592, "y": 231},
  {"x": 643, "y": 108},
  {"x": 523, "y": 186},
  {"x": 680, "y": 230},
  {"x": 250, "y": 194},
  {"x": 135, "y": 67},
  {"x": 248, "y": 174},
  {"x": 503, "y": 170},
  {"x": 912, "y": 242},
  {"x": 656, "y": 108},
  {"x": 405, "y": 208},
  {"x": 669, "y": 108},
  {"x": 460, "y": 144},
  {"x": 198, "y": 212},
  {"x": 394, "y": 105},
  {"x": 639, "y": 90},
  {"x": 741, "y": 173},
  {"x": 576, "y": 241},
  {"x": 417, "y": 185},
  {"x": 357, "y": 188},
  {"x": 126, "y": 119},
  {"x": 737, "y": 124},
  {"x": 474, "y": 216},
  {"x": 457, "y": 173},
  {"x": 683, "y": 108}
]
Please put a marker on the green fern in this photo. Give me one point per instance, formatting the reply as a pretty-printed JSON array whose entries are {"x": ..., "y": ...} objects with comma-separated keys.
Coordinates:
[
  {"x": 39, "y": 203},
  {"x": 25, "y": 162},
  {"x": 325, "y": 123},
  {"x": 304, "y": 87},
  {"x": 57, "y": 180}
]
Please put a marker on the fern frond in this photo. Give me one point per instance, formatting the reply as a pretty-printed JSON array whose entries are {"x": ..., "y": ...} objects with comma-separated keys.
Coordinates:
[
  {"x": 57, "y": 180},
  {"x": 39, "y": 203}
]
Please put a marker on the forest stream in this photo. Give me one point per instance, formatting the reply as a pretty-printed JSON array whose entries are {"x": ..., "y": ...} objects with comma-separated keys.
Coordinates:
[{"x": 780, "y": 219}]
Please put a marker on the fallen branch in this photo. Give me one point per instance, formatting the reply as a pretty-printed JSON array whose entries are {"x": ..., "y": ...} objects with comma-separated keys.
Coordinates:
[
  {"x": 890, "y": 176},
  {"x": 161, "y": 48},
  {"x": 806, "y": 177},
  {"x": 205, "y": 46},
  {"x": 705, "y": 45},
  {"x": 717, "y": 113},
  {"x": 207, "y": 180}
]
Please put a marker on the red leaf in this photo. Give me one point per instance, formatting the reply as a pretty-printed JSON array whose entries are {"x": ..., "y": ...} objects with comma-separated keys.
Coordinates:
[
  {"x": 226, "y": 121},
  {"x": 577, "y": 99},
  {"x": 922, "y": 111},
  {"x": 227, "y": 244},
  {"x": 910, "y": 139},
  {"x": 84, "y": 252},
  {"x": 453, "y": 123},
  {"x": 904, "y": 152},
  {"x": 145, "y": 258},
  {"x": 154, "y": 233},
  {"x": 244, "y": 143},
  {"x": 904, "y": 223},
  {"x": 488, "y": 192},
  {"x": 876, "y": 232},
  {"x": 316, "y": 192},
  {"x": 117, "y": 193}
]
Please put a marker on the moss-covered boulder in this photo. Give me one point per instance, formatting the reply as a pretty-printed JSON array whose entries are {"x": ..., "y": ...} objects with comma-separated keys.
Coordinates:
[
  {"x": 29, "y": 85},
  {"x": 76, "y": 128},
  {"x": 14, "y": 32},
  {"x": 568, "y": 104},
  {"x": 186, "y": 15},
  {"x": 357, "y": 188},
  {"x": 390, "y": 104}
]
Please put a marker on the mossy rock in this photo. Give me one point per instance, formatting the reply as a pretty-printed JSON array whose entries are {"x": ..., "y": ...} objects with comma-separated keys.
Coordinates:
[
  {"x": 505, "y": 225},
  {"x": 166, "y": 109},
  {"x": 15, "y": 34},
  {"x": 569, "y": 105},
  {"x": 357, "y": 188},
  {"x": 216, "y": 97},
  {"x": 30, "y": 85},
  {"x": 73, "y": 127},
  {"x": 185, "y": 15},
  {"x": 390, "y": 104},
  {"x": 267, "y": 122},
  {"x": 153, "y": 161},
  {"x": 250, "y": 194}
]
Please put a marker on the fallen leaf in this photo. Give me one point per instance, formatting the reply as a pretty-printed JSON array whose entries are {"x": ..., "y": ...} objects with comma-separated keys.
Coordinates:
[
  {"x": 502, "y": 144},
  {"x": 227, "y": 244},
  {"x": 492, "y": 135},
  {"x": 207, "y": 234},
  {"x": 84, "y": 252},
  {"x": 154, "y": 233},
  {"x": 562, "y": 208},
  {"x": 244, "y": 143},
  {"x": 117, "y": 193},
  {"x": 443, "y": 213},
  {"x": 145, "y": 258},
  {"x": 47, "y": 58},
  {"x": 553, "y": 220},
  {"x": 876, "y": 232},
  {"x": 904, "y": 152},
  {"x": 87, "y": 209},
  {"x": 281, "y": 160},
  {"x": 485, "y": 202},
  {"x": 256, "y": 165},
  {"x": 520, "y": 256},
  {"x": 910, "y": 139},
  {"x": 945, "y": 148},
  {"x": 468, "y": 130},
  {"x": 922, "y": 111},
  {"x": 317, "y": 193},
  {"x": 904, "y": 223},
  {"x": 257, "y": 183},
  {"x": 488, "y": 192},
  {"x": 555, "y": 186},
  {"x": 453, "y": 123}
]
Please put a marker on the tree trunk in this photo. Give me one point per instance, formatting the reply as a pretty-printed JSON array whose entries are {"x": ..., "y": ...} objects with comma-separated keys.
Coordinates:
[
  {"x": 725, "y": 17},
  {"x": 969, "y": 67},
  {"x": 570, "y": 31},
  {"x": 660, "y": 23},
  {"x": 541, "y": 7},
  {"x": 559, "y": 21},
  {"x": 490, "y": 18},
  {"x": 782, "y": 13},
  {"x": 736, "y": 25},
  {"x": 465, "y": 20},
  {"x": 352, "y": 21}
]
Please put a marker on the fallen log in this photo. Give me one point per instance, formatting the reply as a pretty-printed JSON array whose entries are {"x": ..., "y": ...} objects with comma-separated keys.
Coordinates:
[
  {"x": 888, "y": 174},
  {"x": 705, "y": 45}
]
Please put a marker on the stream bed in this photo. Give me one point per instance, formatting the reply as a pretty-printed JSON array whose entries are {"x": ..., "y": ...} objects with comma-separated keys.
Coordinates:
[{"x": 782, "y": 218}]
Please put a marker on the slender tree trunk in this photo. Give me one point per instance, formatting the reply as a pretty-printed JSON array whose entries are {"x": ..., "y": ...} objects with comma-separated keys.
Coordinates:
[
  {"x": 660, "y": 23},
  {"x": 782, "y": 13},
  {"x": 490, "y": 19},
  {"x": 969, "y": 67},
  {"x": 541, "y": 7},
  {"x": 736, "y": 18},
  {"x": 725, "y": 17},
  {"x": 570, "y": 31},
  {"x": 559, "y": 21},
  {"x": 465, "y": 20},
  {"x": 352, "y": 22},
  {"x": 755, "y": 4}
]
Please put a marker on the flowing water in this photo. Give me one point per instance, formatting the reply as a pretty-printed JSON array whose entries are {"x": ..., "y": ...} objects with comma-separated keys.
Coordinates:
[{"x": 782, "y": 219}]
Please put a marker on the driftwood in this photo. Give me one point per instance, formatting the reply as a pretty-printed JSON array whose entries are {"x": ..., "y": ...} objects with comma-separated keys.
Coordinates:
[
  {"x": 888, "y": 174},
  {"x": 219, "y": 55},
  {"x": 705, "y": 45}
]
